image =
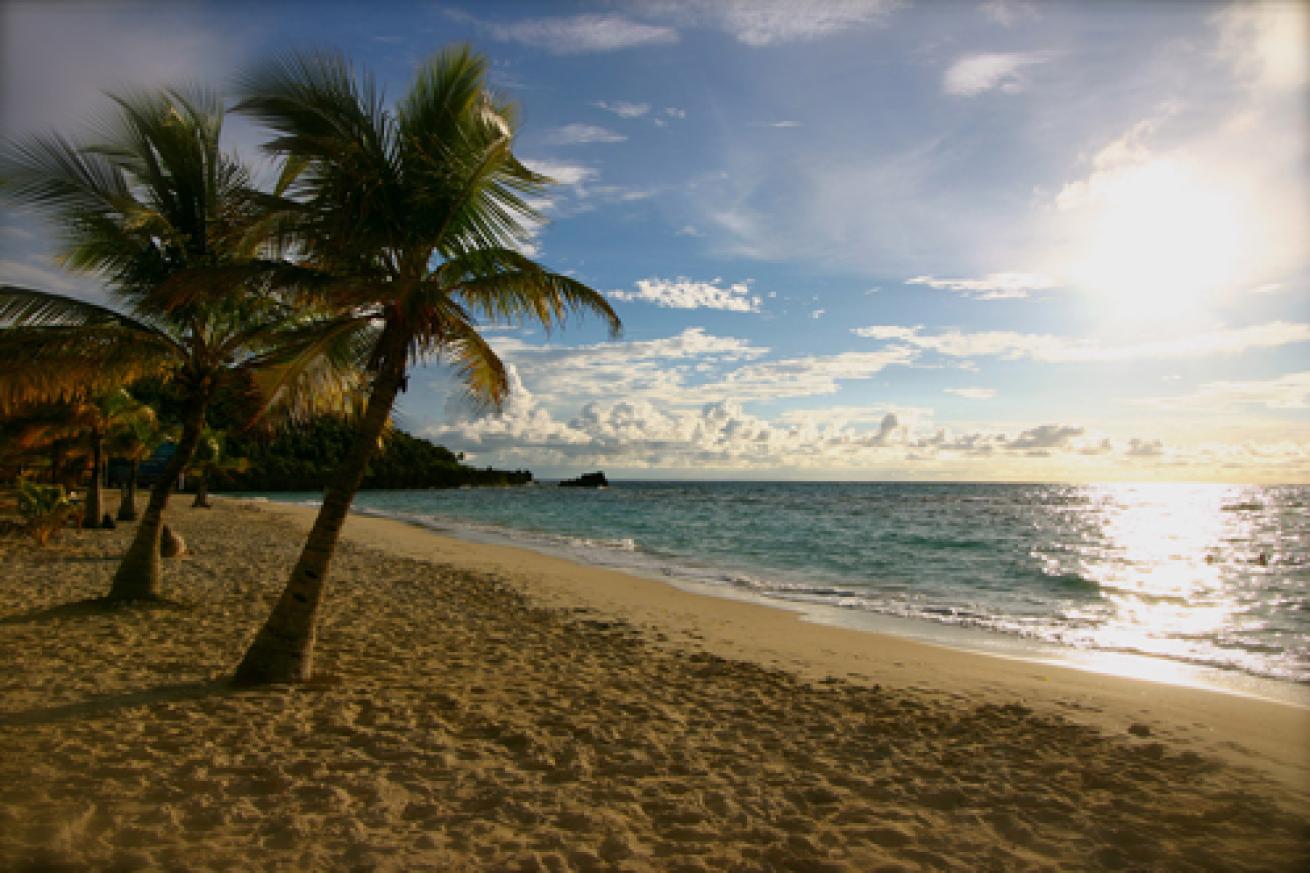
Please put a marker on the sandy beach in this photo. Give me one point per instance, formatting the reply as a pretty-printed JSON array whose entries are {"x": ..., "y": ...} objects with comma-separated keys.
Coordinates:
[{"x": 487, "y": 708}]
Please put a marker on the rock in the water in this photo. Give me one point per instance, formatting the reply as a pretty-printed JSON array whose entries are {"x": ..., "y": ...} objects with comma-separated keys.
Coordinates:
[
  {"x": 108, "y": 522},
  {"x": 171, "y": 545},
  {"x": 587, "y": 480}
]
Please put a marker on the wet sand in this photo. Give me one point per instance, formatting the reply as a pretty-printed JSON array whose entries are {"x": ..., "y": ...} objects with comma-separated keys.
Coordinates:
[{"x": 487, "y": 708}]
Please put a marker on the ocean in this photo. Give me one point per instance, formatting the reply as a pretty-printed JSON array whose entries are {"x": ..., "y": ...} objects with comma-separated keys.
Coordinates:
[{"x": 1214, "y": 577}]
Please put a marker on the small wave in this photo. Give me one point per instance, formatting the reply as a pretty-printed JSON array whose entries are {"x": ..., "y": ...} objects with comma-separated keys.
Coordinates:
[
  {"x": 625, "y": 544},
  {"x": 1074, "y": 581},
  {"x": 1246, "y": 506}
]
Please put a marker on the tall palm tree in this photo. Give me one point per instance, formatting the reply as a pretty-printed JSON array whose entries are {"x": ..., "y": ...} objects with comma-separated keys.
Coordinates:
[
  {"x": 157, "y": 210},
  {"x": 417, "y": 212}
]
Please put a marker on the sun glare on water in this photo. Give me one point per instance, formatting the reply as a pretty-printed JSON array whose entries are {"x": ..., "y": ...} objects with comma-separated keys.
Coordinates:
[{"x": 1161, "y": 573}]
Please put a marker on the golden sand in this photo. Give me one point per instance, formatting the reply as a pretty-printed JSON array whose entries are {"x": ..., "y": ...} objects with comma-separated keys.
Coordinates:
[{"x": 485, "y": 708}]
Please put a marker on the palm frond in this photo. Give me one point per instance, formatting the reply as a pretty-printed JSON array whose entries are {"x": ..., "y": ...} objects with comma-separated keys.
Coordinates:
[
  {"x": 57, "y": 362},
  {"x": 313, "y": 368},
  {"x": 477, "y": 366}
]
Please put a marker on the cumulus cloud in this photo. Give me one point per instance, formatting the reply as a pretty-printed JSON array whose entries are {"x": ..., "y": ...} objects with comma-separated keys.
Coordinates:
[
  {"x": 1046, "y": 436},
  {"x": 1139, "y": 448},
  {"x": 577, "y": 34},
  {"x": 1001, "y": 71},
  {"x": 622, "y": 108},
  {"x": 1266, "y": 43},
  {"x": 1011, "y": 345},
  {"x": 993, "y": 286},
  {"x": 683, "y": 293},
  {"x": 579, "y": 134}
]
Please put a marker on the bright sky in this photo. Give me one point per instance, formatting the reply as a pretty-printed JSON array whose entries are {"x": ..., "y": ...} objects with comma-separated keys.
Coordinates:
[{"x": 853, "y": 239}]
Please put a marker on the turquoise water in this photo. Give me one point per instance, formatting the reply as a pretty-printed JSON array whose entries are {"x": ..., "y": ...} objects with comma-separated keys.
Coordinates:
[{"x": 1201, "y": 574}]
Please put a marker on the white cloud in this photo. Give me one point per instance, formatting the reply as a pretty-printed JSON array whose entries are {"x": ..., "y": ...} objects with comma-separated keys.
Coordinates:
[
  {"x": 682, "y": 293},
  {"x": 675, "y": 112},
  {"x": 993, "y": 286},
  {"x": 785, "y": 124},
  {"x": 806, "y": 376},
  {"x": 1267, "y": 288},
  {"x": 1288, "y": 391},
  {"x": 975, "y": 74},
  {"x": 1046, "y": 436},
  {"x": 973, "y": 393},
  {"x": 575, "y": 175},
  {"x": 1007, "y": 13},
  {"x": 1139, "y": 448},
  {"x": 622, "y": 108},
  {"x": 1047, "y": 348},
  {"x": 817, "y": 313},
  {"x": 577, "y": 34},
  {"x": 577, "y": 134},
  {"x": 688, "y": 230},
  {"x": 1266, "y": 43},
  {"x": 770, "y": 22}
]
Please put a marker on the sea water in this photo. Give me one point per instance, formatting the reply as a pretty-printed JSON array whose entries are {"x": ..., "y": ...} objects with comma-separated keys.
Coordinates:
[{"x": 1211, "y": 575}]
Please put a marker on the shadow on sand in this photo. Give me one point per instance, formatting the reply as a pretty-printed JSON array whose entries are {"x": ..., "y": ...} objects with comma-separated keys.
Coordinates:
[
  {"x": 111, "y": 703},
  {"x": 91, "y": 606}
]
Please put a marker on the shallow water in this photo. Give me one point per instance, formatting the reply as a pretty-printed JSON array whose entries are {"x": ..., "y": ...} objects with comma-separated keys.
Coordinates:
[{"x": 1212, "y": 575}]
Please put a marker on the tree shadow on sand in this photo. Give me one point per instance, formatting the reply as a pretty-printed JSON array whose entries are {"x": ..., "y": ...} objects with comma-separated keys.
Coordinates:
[
  {"x": 110, "y": 703},
  {"x": 91, "y": 606}
]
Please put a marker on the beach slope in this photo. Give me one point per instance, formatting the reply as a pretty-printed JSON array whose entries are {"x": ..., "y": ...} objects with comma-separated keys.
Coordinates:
[{"x": 488, "y": 708}]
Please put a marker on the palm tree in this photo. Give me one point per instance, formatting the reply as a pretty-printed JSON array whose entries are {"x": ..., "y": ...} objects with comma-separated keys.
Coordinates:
[
  {"x": 159, "y": 212},
  {"x": 84, "y": 419},
  {"x": 133, "y": 439},
  {"x": 211, "y": 457},
  {"x": 416, "y": 212}
]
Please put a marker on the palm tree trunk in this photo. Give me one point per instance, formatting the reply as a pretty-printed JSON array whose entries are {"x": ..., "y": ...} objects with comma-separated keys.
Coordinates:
[
  {"x": 91, "y": 517},
  {"x": 202, "y": 493},
  {"x": 283, "y": 651},
  {"x": 139, "y": 576},
  {"x": 127, "y": 509}
]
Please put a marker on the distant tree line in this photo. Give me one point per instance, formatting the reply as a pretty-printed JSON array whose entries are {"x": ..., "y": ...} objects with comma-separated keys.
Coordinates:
[{"x": 303, "y": 458}]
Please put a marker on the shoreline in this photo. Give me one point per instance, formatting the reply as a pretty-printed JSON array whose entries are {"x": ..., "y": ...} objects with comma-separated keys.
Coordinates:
[
  {"x": 1268, "y": 734},
  {"x": 965, "y": 638},
  {"x": 960, "y": 636},
  {"x": 488, "y": 708}
]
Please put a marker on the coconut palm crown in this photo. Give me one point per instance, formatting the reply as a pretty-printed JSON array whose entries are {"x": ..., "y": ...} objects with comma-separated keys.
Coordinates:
[
  {"x": 156, "y": 210},
  {"x": 417, "y": 214}
]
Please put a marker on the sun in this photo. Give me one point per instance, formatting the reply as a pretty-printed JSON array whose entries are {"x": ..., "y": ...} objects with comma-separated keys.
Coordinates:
[{"x": 1165, "y": 242}]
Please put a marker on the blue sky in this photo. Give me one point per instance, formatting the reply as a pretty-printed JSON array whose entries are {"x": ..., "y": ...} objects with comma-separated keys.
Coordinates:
[{"x": 855, "y": 240}]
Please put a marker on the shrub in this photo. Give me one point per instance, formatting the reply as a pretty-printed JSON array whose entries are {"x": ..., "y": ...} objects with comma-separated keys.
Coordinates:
[{"x": 46, "y": 508}]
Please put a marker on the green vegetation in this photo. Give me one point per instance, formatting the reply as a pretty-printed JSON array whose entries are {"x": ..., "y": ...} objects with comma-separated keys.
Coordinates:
[
  {"x": 414, "y": 215},
  {"x": 303, "y": 458},
  {"x": 175, "y": 227},
  {"x": 394, "y": 232},
  {"x": 45, "y": 508}
]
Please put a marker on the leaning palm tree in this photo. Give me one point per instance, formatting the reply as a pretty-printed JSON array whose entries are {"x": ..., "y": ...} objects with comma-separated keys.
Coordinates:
[
  {"x": 417, "y": 212},
  {"x": 156, "y": 209}
]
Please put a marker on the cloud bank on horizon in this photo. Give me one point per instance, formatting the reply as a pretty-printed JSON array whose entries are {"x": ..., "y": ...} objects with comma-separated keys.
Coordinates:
[{"x": 848, "y": 238}]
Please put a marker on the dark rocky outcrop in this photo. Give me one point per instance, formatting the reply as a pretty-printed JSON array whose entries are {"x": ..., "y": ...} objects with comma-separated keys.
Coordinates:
[{"x": 587, "y": 480}]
